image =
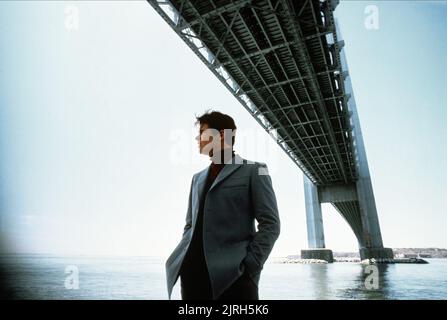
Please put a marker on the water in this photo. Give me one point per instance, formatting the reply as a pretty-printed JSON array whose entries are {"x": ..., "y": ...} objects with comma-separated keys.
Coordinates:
[{"x": 44, "y": 277}]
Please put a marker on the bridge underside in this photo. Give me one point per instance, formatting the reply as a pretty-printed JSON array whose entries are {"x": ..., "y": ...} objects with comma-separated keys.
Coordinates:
[{"x": 282, "y": 60}]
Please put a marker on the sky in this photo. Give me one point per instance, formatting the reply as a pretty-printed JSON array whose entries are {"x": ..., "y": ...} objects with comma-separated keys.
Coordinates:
[{"x": 97, "y": 109}]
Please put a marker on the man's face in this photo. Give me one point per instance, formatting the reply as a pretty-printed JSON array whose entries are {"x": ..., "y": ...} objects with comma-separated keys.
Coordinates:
[{"x": 205, "y": 139}]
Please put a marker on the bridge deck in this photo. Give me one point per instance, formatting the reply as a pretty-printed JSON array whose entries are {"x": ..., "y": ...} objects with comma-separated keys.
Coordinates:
[{"x": 281, "y": 60}]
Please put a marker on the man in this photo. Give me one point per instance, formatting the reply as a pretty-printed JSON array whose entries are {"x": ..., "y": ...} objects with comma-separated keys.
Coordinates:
[{"x": 221, "y": 254}]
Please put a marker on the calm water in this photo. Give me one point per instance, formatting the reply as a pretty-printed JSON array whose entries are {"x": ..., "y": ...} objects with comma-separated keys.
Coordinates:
[{"x": 44, "y": 277}]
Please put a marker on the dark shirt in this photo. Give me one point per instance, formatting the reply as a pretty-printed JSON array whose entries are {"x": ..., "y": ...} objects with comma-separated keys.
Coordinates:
[{"x": 218, "y": 162}]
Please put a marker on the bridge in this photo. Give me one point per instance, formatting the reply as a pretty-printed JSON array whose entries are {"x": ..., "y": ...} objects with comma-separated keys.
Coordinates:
[{"x": 283, "y": 60}]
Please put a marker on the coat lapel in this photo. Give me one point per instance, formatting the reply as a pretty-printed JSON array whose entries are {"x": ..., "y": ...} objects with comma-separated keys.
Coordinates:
[
  {"x": 201, "y": 180},
  {"x": 226, "y": 171}
]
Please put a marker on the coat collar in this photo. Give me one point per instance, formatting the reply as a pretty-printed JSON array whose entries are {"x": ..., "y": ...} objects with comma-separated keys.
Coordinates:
[{"x": 231, "y": 165}]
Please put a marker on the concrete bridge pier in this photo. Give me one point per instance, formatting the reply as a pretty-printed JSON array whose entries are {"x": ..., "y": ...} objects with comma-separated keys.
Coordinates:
[
  {"x": 355, "y": 203},
  {"x": 315, "y": 231}
]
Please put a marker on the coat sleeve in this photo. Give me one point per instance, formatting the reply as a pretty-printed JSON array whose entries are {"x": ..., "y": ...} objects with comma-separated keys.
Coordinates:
[
  {"x": 188, "y": 220},
  {"x": 266, "y": 213}
]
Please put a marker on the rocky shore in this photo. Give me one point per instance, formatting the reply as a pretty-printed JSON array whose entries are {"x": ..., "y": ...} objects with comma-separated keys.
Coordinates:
[
  {"x": 395, "y": 260},
  {"x": 351, "y": 260},
  {"x": 300, "y": 261},
  {"x": 401, "y": 255}
]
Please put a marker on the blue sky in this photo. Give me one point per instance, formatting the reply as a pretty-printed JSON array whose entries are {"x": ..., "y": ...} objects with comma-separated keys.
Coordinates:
[{"x": 97, "y": 128}]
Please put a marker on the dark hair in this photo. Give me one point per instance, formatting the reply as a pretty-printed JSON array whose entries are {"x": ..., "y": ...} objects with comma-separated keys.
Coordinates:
[{"x": 217, "y": 120}]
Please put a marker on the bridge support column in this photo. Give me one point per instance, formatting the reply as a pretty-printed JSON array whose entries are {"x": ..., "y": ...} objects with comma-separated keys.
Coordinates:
[
  {"x": 371, "y": 244},
  {"x": 314, "y": 219},
  {"x": 370, "y": 241}
]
